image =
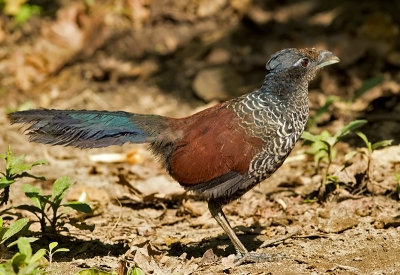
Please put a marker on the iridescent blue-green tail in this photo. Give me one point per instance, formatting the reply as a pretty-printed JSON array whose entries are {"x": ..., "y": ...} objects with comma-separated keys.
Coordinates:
[{"x": 90, "y": 129}]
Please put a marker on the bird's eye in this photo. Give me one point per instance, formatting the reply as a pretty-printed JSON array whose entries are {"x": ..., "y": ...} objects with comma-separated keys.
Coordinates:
[{"x": 304, "y": 62}]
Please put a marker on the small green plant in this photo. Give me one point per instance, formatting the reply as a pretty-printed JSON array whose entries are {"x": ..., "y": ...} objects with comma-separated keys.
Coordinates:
[
  {"x": 19, "y": 9},
  {"x": 323, "y": 149},
  {"x": 51, "y": 251},
  {"x": 47, "y": 207},
  {"x": 131, "y": 271},
  {"x": 8, "y": 232},
  {"x": 313, "y": 120},
  {"x": 366, "y": 86},
  {"x": 135, "y": 271},
  {"x": 16, "y": 168},
  {"x": 93, "y": 271},
  {"x": 370, "y": 148},
  {"x": 24, "y": 262},
  {"x": 309, "y": 200}
]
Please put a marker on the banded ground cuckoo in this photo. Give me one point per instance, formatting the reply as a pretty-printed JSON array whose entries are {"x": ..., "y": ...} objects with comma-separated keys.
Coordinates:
[{"x": 220, "y": 152}]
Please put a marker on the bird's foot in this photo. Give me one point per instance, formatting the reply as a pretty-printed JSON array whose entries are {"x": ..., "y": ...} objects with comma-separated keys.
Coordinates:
[{"x": 251, "y": 257}]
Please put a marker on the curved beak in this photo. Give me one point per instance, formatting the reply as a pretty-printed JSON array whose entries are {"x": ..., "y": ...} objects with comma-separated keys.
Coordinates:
[{"x": 326, "y": 58}]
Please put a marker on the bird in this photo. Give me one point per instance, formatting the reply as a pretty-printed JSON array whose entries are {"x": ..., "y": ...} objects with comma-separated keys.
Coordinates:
[{"x": 219, "y": 153}]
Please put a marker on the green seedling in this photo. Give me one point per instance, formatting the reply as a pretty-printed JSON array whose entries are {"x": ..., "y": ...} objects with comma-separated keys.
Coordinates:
[
  {"x": 323, "y": 149},
  {"x": 92, "y": 271},
  {"x": 24, "y": 262},
  {"x": 136, "y": 271},
  {"x": 370, "y": 148},
  {"x": 19, "y": 9},
  {"x": 16, "y": 168},
  {"x": 47, "y": 207},
  {"x": 8, "y": 232},
  {"x": 308, "y": 200},
  {"x": 313, "y": 120},
  {"x": 51, "y": 251},
  {"x": 366, "y": 86}
]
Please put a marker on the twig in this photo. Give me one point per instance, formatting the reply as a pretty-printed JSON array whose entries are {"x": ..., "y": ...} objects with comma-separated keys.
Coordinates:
[
  {"x": 116, "y": 223},
  {"x": 311, "y": 236},
  {"x": 279, "y": 240},
  {"x": 344, "y": 267}
]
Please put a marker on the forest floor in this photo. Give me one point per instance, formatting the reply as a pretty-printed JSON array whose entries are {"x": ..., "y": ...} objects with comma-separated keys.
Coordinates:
[{"x": 144, "y": 217}]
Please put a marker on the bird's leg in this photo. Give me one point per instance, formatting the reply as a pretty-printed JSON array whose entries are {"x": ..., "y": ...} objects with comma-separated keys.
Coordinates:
[
  {"x": 242, "y": 254},
  {"x": 216, "y": 211}
]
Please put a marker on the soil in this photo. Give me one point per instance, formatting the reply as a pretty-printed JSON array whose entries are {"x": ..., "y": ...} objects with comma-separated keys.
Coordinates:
[{"x": 153, "y": 61}]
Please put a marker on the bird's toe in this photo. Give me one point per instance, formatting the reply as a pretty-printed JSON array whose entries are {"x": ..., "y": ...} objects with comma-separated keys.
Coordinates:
[{"x": 252, "y": 257}]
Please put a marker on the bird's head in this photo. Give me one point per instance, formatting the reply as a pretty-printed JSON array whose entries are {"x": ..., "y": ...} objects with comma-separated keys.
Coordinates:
[{"x": 300, "y": 63}]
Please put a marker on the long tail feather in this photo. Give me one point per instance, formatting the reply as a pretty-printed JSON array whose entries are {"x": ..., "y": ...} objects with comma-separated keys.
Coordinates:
[{"x": 89, "y": 129}]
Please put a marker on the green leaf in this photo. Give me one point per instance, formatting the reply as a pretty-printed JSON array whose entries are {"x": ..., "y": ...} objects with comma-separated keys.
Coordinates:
[
  {"x": 317, "y": 146},
  {"x": 61, "y": 250},
  {"x": 331, "y": 179},
  {"x": 38, "y": 255},
  {"x": 39, "y": 162},
  {"x": 6, "y": 268},
  {"x": 330, "y": 141},
  {"x": 308, "y": 136},
  {"x": 16, "y": 164},
  {"x": 14, "y": 228},
  {"x": 26, "y": 12},
  {"x": 136, "y": 271},
  {"x": 365, "y": 139},
  {"x": 382, "y": 143},
  {"x": 11, "y": 160},
  {"x": 79, "y": 206},
  {"x": 348, "y": 128},
  {"x": 92, "y": 271},
  {"x": 308, "y": 200},
  {"x": 24, "y": 247},
  {"x": 34, "y": 193},
  {"x": 27, "y": 188},
  {"x": 349, "y": 155},
  {"x": 30, "y": 208},
  {"x": 28, "y": 175},
  {"x": 320, "y": 111},
  {"x": 52, "y": 245},
  {"x": 366, "y": 86},
  {"x": 31, "y": 269},
  {"x": 59, "y": 187},
  {"x": 4, "y": 182},
  {"x": 18, "y": 260},
  {"x": 321, "y": 147},
  {"x": 1, "y": 222},
  {"x": 30, "y": 240}
]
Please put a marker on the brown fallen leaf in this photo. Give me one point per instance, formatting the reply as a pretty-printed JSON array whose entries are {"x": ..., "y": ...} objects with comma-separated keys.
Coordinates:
[
  {"x": 209, "y": 257},
  {"x": 348, "y": 174}
]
